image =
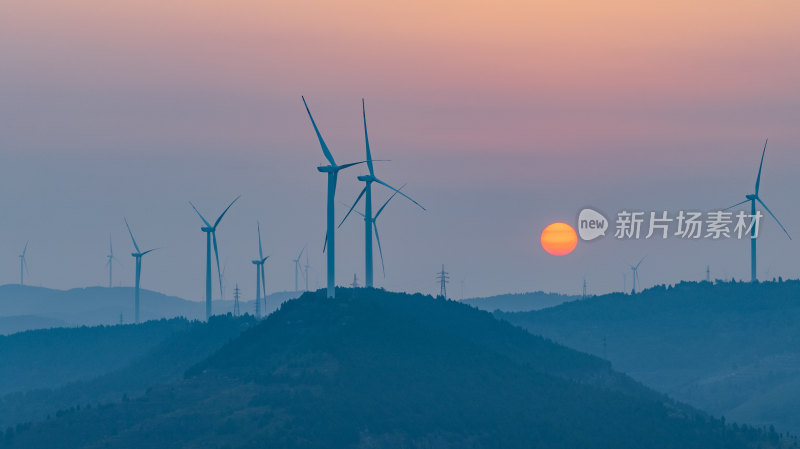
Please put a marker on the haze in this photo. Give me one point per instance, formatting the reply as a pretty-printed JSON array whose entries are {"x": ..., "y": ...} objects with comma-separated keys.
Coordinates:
[{"x": 501, "y": 118}]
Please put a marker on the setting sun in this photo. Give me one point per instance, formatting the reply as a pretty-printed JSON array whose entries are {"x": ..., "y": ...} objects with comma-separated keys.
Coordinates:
[{"x": 559, "y": 239}]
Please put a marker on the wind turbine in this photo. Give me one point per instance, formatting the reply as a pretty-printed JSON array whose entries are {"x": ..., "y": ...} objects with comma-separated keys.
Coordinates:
[
  {"x": 111, "y": 260},
  {"x": 211, "y": 235},
  {"x": 752, "y": 198},
  {"x": 138, "y": 256},
  {"x": 333, "y": 172},
  {"x": 260, "y": 278},
  {"x": 369, "y": 223},
  {"x": 372, "y": 222},
  {"x": 635, "y": 269},
  {"x": 297, "y": 268},
  {"x": 23, "y": 264}
]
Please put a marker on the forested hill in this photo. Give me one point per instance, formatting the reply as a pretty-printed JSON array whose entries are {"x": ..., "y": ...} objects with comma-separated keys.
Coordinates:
[
  {"x": 729, "y": 348},
  {"x": 378, "y": 369}
]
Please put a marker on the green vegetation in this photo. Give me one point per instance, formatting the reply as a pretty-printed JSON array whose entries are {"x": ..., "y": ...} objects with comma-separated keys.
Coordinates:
[{"x": 378, "y": 369}]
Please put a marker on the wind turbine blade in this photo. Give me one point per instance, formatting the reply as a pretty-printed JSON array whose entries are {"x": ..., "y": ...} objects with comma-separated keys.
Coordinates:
[
  {"x": 363, "y": 191},
  {"x": 773, "y": 216},
  {"x": 325, "y": 149},
  {"x": 110, "y": 246},
  {"x": 226, "y": 210},
  {"x": 387, "y": 202},
  {"x": 200, "y": 215},
  {"x": 25, "y": 250},
  {"x": 25, "y": 264},
  {"x": 264, "y": 259},
  {"x": 304, "y": 248},
  {"x": 216, "y": 255},
  {"x": 737, "y": 204},
  {"x": 149, "y": 251},
  {"x": 260, "y": 252},
  {"x": 131, "y": 233},
  {"x": 342, "y": 167},
  {"x": 366, "y": 139},
  {"x": 640, "y": 262},
  {"x": 758, "y": 179},
  {"x": 325, "y": 245},
  {"x": 401, "y": 193},
  {"x": 380, "y": 250}
]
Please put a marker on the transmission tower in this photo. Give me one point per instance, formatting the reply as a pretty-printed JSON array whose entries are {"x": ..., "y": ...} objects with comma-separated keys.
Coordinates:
[
  {"x": 708, "y": 273},
  {"x": 355, "y": 281},
  {"x": 236, "y": 294},
  {"x": 584, "y": 288},
  {"x": 443, "y": 277}
]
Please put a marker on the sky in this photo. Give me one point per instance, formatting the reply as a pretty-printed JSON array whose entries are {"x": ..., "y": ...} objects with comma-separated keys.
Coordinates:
[{"x": 502, "y": 117}]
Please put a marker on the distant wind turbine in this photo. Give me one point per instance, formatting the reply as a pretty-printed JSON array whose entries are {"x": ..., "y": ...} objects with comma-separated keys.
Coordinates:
[
  {"x": 635, "y": 269},
  {"x": 23, "y": 264},
  {"x": 211, "y": 235},
  {"x": 374, "y": 225},
  {"x": 752, "y": 198},
  {"x": 297, "y": 268},
  {"x": 369, "y": 223},
  {"x": 261, "y": 282},
  {"x": 333, "y": 172},
  {"x": 138, "y": 256},
  {"x": 111, "y": 259}
]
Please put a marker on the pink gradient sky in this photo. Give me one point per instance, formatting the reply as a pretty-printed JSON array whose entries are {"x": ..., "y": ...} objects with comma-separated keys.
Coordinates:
[{"x": 502, "y": 117}]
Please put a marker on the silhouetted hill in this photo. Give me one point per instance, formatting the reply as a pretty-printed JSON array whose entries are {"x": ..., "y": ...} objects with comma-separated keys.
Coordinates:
[
  {"x": 379, "y": 369},
  {"x": 731, "y": 349},
  {"x": 89, "y": 365},
  {"x": 43, "y": 307},
  {"x": 519, "y": 302}
]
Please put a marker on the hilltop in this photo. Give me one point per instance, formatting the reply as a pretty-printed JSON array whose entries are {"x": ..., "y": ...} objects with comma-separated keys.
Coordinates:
[
  {"x": 378, "y": 369},
  {"x": 731, "y": 349},
  {"x": 519, "y": 302},
  {"x": 26, "y": 307}
]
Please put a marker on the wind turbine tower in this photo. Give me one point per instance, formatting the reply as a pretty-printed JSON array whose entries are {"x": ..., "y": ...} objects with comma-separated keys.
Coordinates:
[
  {"x": 260, "y": 277},
  {"x": 752, "y": 198},
  {"x": 374, "y": 225},
  {"x": 306, "y": 268},
  {"x": 211, "y": 235},
  {"x": 332, "y": 170},
  {"x": 23, "y": 264},
  {"x": 138, "y": 254},
  {"x": 708, "y": 273}
]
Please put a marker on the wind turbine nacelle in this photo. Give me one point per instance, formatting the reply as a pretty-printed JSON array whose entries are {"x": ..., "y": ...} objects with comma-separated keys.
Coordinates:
[
  {"x": 327, "y": 168},
  {"x": 751, "y": 197},
  {"x": 256, "y": 262},
  {"x": 207, "y": 229},
  {"x": 366, "y": 178}
]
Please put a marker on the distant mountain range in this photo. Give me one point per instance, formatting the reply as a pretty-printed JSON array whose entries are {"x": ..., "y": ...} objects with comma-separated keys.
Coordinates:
[
  {"x": 519, "y": 302},
  {"x": 370, "y": 369},
  {"x": 731, "y": 349},
  {"x": 26, "y": 307}
]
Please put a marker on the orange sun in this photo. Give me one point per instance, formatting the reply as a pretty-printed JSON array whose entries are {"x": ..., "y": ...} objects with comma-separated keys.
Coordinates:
[{"x": 559, "y": 239}]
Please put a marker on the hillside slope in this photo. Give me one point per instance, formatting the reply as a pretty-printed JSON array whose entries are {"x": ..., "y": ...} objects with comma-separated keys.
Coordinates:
[
  {"x": 377, "y": 369},
  {"x": 731, "y": 349}
]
